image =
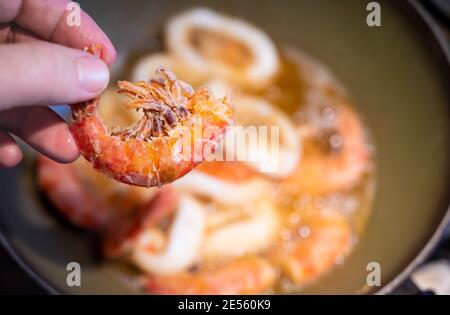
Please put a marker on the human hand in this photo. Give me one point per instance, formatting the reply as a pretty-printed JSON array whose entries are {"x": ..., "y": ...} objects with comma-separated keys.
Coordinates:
[{"x": 42, "y": 63}]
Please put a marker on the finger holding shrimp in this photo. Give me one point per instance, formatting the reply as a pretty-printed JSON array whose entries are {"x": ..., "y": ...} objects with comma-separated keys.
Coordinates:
[{"x": 44, "y": 56}]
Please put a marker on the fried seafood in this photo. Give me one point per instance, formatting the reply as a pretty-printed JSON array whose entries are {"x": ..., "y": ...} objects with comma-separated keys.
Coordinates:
[
  {"x": 226, "y": 182},
  {"x": 325, "y": 237},
  {"x": 155, "y": 253},
  {"x": 267, "y": 140},
  {"x": 79, "y": 205},
  {"x": 179, "y": 127},
  {"x": 273, "y": 206},
  {"x": 121, "y": 233},
  {"x": 253, "y": 226},
  {"x": 85, "y": 197},
  {"x": 336, "y": 154},
  {"x": 217, "y": 45},
  {"x": 247, "y": 275}
]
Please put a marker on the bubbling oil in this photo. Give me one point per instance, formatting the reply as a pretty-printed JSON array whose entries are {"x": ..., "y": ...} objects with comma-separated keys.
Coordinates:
[{"x": 301, "y": 84}]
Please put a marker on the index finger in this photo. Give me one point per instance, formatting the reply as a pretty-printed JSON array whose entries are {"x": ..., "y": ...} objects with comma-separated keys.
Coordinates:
[{"x": 49, "y": 20}]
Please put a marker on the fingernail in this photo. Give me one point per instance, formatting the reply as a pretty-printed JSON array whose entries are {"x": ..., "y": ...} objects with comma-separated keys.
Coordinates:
[{"x": 93, "y": 75}]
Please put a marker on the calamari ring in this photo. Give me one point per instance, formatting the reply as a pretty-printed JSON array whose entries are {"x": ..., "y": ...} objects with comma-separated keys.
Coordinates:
[
  {"x": 230, "y": 183},
  {"x": 215, "y": 44},
  {"x": 282, "y": 154},
  {"x": 121, "y": 233},
  {"x": 156, "y": 254},
  {"x": 240, "y": 230}
]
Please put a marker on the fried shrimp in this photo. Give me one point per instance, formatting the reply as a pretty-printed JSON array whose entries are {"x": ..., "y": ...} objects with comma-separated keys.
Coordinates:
[
  {"x": 68, "y": 193},
  {"x": 178, "y": 129},
  {"x": 247, "y": 275},
  {"x": 325, "y": 236},
  {"x": 86, "y": 197},
  {"x": 336, "y": 153}
]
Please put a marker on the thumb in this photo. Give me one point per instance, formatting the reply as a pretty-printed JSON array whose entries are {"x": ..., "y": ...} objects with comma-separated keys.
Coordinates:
[{"x": 40, "y": 73}]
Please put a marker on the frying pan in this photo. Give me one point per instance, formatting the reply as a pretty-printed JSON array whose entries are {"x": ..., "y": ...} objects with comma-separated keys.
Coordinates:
[{"x": 398, "y": 78}]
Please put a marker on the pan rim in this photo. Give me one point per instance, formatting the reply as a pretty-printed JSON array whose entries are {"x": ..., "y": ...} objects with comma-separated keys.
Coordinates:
[
  {"x": 431, "y": 243},
  {"x": 388, "y": 288},
  {"x": 27, "y": 267}
]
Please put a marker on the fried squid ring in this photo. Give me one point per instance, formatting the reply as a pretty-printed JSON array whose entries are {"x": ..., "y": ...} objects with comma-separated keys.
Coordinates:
[
  {"x": 276, "y": 157},
  {"x": 215, "y": 44},
  {"x": 181, "y": 250}
]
